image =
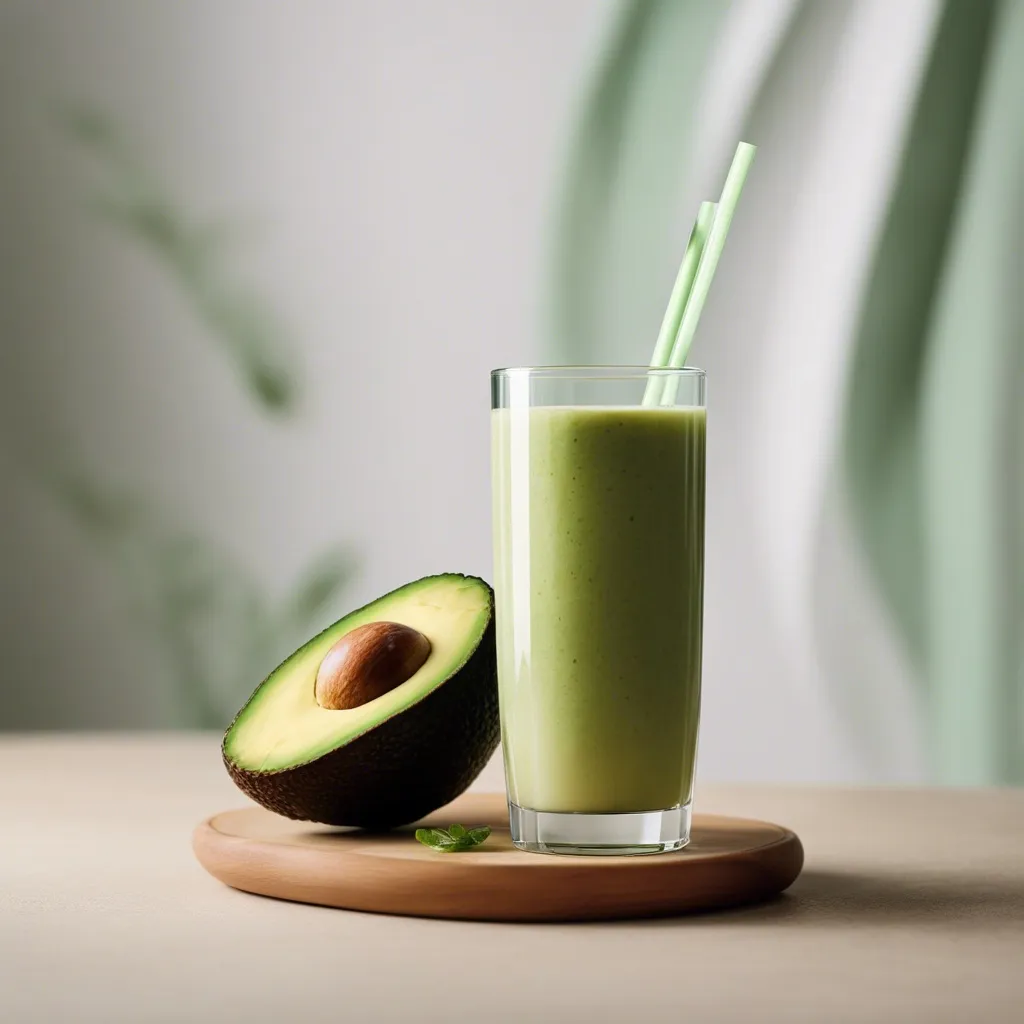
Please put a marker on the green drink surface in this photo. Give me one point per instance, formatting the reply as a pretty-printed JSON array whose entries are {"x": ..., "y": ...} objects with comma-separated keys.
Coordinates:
[{"x": 599, "y": 578}]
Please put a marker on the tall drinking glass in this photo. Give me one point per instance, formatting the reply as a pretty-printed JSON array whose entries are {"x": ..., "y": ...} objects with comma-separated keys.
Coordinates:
[{"x": 598, "y": 505}]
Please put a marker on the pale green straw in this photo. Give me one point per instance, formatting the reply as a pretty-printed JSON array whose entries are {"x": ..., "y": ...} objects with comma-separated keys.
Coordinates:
[
  {"x": 677, "y": 300},
  {"x": 713, "y": 247}
]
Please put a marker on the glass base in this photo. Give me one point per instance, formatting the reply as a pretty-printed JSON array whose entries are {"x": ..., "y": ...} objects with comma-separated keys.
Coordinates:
[{"x": 600, "y": 835}]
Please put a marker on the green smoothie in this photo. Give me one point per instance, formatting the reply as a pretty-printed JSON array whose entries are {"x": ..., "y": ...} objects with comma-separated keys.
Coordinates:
[{"x": 599, "y": 569}]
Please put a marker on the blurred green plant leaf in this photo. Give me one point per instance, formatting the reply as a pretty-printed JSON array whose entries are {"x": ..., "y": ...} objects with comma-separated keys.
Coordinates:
[
  {"x": 217, "y": 633},
  {"x": 104, "y": 514},
  {"x": 318, "y": 587},
  {"x": 193, "y": 255}
]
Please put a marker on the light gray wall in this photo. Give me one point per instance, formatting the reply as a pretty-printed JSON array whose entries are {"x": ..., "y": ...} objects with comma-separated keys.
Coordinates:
[{"x": 391, "y": 165}]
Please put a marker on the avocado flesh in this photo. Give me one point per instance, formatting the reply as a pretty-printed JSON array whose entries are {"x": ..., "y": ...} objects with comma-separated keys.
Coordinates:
[{"x": 397, "y": 757}]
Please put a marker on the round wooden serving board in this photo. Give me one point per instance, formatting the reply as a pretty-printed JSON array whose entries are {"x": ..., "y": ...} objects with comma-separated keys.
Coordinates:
[{"x": 730, "y": 861}]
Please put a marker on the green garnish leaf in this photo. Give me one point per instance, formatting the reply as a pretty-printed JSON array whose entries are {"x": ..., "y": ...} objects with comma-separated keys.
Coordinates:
[
  {"x": 438, "y": 838},
  {"x": 454, "y": 839}
]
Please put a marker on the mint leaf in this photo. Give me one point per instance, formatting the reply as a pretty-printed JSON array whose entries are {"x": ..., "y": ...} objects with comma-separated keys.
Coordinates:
[
  {"x": 437, "y": 838},
  {"x": 454, "y": 839}
]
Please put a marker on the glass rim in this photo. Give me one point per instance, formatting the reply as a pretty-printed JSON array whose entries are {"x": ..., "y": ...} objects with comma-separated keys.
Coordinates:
[{"x": 599, "y": 371}]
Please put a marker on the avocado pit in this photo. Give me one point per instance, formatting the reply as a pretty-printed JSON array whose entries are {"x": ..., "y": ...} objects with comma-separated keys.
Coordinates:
[{"x": 368, "y": 662}]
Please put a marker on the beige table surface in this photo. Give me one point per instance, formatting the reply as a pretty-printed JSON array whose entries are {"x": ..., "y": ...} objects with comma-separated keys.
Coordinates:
[{"x": 910, "y": 908}]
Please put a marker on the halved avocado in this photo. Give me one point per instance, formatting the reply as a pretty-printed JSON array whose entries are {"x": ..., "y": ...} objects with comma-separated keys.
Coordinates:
[{"x": 397, "y": 757}]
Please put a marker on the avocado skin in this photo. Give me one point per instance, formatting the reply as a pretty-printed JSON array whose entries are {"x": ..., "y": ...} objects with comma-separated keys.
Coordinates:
[{"x": 404, "y": 767}]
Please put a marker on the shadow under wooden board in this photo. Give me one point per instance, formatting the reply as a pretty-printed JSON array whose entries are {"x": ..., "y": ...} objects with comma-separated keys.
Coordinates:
[{"x": 729, "y": 862}]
